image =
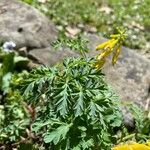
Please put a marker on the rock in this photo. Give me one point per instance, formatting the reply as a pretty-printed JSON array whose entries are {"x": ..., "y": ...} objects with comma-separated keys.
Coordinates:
[
  {"x": 90, "y": 29},
  {"x": 50, "y": 56},
  {"x": 31, "y": 65},
  {"x": 23, "y": 51},
  {"x": 128, "y": 119},
  {"x": 107, "y": 10},
  {"x": 25, "y": 25},
  {"x": 72, "y": 31},
  {"x": 130, "y": 77}
]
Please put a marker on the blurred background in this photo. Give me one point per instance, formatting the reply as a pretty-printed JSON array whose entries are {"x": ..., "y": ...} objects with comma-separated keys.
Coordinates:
[{"x": 102, "y": 16}]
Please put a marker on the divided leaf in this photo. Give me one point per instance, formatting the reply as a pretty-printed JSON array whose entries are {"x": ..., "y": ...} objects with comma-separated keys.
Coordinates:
[{"x": 57, "y": 135}]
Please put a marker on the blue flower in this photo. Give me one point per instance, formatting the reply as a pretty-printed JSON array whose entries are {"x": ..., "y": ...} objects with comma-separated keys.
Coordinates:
[{"x": 9, "y": 46}]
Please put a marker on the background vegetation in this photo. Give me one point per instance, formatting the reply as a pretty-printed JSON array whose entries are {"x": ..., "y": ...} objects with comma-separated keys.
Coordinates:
[{"x": 104, "y": 15}]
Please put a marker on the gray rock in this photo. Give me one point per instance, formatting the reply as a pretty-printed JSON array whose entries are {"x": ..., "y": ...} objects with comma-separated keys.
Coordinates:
[
  {"x": 25, "y": 25},
  {"x": 128, "y": 119},
  {"x": 50, "y": 56}
]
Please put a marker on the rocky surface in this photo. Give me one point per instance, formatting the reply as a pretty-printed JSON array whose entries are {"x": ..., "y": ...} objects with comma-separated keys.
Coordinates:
[
  {"x": 50, "y": 56},
  {"x": 25, "y": 25}
]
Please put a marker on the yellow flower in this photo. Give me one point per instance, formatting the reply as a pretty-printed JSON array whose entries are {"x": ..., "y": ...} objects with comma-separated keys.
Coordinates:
[
  {"x": 111, "y": 46},
  {"x": 104, "y": 54},
  {"x": 103, "y": 45},
  {"x": 122, "y": 147},
  {"x": 140, "y": 147},
  {"x": 116, "y": 55},
  {"x": 135, "y": 146},
  {"x": 100, "y": 63}
]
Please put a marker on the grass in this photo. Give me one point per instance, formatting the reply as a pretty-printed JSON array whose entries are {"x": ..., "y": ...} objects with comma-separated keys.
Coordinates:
[{"x": 105, "y": 15}]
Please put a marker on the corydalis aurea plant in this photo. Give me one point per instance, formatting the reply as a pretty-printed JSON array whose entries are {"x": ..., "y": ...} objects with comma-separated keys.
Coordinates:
[
  {"x": 74, "y": 104},
  {"x": 111, "y": 46}
]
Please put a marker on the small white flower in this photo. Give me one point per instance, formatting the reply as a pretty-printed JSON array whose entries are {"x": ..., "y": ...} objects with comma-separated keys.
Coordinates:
[{"x": 9, "y": 46}]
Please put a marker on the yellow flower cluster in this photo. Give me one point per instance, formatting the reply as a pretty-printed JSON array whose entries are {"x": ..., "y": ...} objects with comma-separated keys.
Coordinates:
[
  {"x": 111, "y": 46},
  {"x": 135, "y": 146}
]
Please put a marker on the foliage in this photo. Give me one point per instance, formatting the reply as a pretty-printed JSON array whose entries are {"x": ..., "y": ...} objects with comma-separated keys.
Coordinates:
[
  {"x": 104, "y": 15},
  {"x": 75, "y": 108},
  {"x": 7, "y": 67},
  {"x": 8, "y": 62},
  {"x": 13, "y": 114},
  {"x": 77, "y": 43},
  {"x": 13, "y": 119},
  {"x": 142, "y": 124}
]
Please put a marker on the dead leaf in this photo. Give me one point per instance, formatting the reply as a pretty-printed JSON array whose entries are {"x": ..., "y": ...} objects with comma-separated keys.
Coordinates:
[
  {"x": 106, "y": 9},
  {"x": 137, "y": 25},
  {"x": 42, "y": 1},
  {"x": 72, "y": 31}
]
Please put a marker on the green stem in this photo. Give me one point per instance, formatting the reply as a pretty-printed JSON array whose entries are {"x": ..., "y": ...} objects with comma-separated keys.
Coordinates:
[
  {"x": 83, "y": 54},
  {"x": 128, "y": 137}
]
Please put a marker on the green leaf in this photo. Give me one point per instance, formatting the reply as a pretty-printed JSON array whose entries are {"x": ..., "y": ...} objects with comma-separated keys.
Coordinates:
[
  {"x": 57, "y": 135},
  {"x": 8, "y": 63},
  {"x": 62, "y": 104},
  {"x": 20, "y": 61},
  {"x": 6, "y": 69},
  {"x": 116, "y": 123},
  {"x": 78, "y": 147},
  {"x": 92, "y": 108},
  {"x": 73, "y": 92},
  {"x": 87, "y": 144},
  {"x": 79, "y": 104},
  {"x": 82, "y": 128},
  {"x": 40, "y": 123},
  {"x": 28, "y": 90},
  {"x": 6, "y": 82}
]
